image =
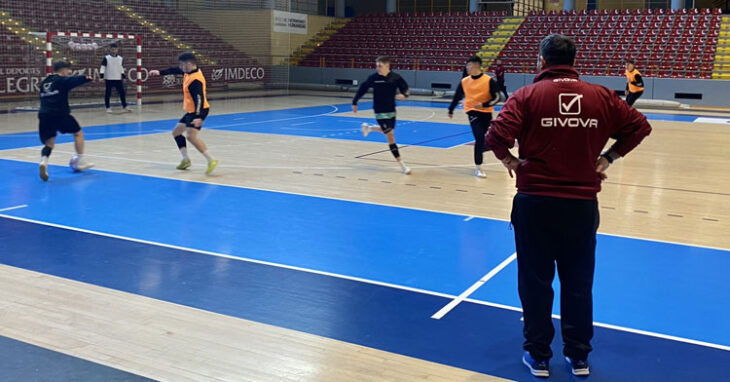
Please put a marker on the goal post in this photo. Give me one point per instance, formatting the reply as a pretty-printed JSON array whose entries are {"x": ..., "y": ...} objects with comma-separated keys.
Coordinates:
[{"x": 92, "y": 47}]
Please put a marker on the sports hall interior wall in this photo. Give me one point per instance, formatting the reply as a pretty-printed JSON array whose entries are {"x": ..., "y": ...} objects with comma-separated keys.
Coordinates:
[
  {"x": 251, "y": 30},
  {"x": 712, "y": 92},
  {"x": 311, "y": 7}
]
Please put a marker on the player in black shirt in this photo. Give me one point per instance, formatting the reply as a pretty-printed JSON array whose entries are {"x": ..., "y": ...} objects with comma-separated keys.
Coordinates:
[
  {"x": 54, "y": 115},
  {"x": 385, "y": 85}
]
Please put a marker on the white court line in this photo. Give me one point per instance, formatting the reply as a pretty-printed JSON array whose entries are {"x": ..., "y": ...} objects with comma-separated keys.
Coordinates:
[
  {"x": 346, "y": 130},
  {"x": 253, "y": 167},
  {"x": 335, "y": 109},
  {"x": 713, "y": 120},
  {"x": 300, "y": 124},
  {"x": 358, "y": 279},
  {"x": 460, "y": 144},
  {"x": 312, "y": 195},
  {"x": 13, "y": 208},
  {"x": 231, "y": 257},
  {"x": 406, "y": 122},
  {"x": 635, "y": 331},
  {"x": 469, "y": 218},
  {"x": 90, "y": 134},
  {"x": 451, "y": 305}
]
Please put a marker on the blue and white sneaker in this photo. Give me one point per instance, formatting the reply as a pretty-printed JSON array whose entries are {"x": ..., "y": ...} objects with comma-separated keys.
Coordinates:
[
  {"x": 580, "y": 367},
  {"x": 537, "y": 368}
]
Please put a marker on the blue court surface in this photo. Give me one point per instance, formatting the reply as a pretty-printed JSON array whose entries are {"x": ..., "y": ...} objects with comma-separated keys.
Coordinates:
[
  {"x": 328, "y": 267},
  {"x": 24, "y": 362},
  {"x": 316, "y": 122}
]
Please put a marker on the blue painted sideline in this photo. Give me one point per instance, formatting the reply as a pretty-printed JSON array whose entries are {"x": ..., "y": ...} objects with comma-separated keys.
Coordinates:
[
  {"x": 20, "y": 361},
  {"x": 433, "y": 251}
]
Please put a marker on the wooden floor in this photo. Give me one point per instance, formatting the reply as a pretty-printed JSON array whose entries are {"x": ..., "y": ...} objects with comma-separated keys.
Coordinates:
[
  {"x": 169, "y": 342},
  {"x": 675, "y": 187}
]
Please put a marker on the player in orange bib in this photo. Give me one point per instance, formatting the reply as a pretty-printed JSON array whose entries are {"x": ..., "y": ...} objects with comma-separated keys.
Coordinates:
[
  {"x": 195, "y": 104},
  {"x": 634, "y": 83},
  {"x": 480, "y": 93}
]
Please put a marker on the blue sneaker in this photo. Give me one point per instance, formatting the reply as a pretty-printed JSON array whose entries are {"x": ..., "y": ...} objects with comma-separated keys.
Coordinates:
[
  {"x": 537, "y": 368},
  {"x": 579, "y": 366}
]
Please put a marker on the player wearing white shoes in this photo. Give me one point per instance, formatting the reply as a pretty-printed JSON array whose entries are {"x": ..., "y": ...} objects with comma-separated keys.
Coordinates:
[
  {"x": 385, "y": 85},
  {"x": 480, "y": 93},
  {"x": 54, "y": 115},
  {"x": 195, "y": 104}
]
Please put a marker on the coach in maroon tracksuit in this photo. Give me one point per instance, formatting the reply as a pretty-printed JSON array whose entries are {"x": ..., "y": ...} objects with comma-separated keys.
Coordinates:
[
  {"x": 561, "y": 124},
  {"x": 499, "y": 74}
]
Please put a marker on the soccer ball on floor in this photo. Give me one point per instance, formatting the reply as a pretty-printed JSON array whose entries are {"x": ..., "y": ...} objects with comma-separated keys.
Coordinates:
[{"x": 74, "y": 163}]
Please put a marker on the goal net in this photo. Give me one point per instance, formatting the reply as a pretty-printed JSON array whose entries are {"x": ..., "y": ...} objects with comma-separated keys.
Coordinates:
[
  {"x": 244, "y": 50},
  {"x": 85, "y": 52}
]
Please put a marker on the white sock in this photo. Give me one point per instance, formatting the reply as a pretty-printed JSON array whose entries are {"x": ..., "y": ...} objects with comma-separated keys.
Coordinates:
[
  {"x": 402, "y": 165},
  {"x": 479, "y": 167},
  {"x": 44, "y": 160},
  {"x": 184, "y": 152},
  {"x": 208, "y": 157}
]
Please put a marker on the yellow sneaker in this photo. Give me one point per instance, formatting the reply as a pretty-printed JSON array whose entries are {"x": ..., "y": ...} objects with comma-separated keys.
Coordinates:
[
  {"x": 211, "y": 166},
  {"x": 184, "y": 164}
]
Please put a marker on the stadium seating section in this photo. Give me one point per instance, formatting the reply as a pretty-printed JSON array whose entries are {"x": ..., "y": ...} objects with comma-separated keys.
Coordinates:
[
  {"x": 665, "y": 44},
  {"x": 103, "y": 17},
  {"x": 415, "y": 41}
]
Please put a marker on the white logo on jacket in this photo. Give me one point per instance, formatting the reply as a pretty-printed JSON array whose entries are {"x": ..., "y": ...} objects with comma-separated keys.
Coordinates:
[
  {"x": 569, "y": 104},
  {"x": 47, "y": 92}
]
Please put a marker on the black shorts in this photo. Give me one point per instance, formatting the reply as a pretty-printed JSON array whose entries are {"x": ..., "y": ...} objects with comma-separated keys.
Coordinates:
[
  {"x": 188, "y": 118},
  {"x": 632, "y": 97},
  {"x": 387, "y": 125},
  {"x": 49, "y": 125}
]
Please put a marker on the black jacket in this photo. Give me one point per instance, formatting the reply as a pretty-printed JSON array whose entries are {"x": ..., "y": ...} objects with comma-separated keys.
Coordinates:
[{"x": 54, "y": 93}]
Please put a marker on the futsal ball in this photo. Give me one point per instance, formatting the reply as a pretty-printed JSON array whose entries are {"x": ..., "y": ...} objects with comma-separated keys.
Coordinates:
[{"x": 74, "y": 163}]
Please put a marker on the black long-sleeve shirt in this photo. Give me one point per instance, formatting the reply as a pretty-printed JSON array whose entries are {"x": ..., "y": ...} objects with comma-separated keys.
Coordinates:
[
  {"x": 54, "y": 94},
  {"x": 459, "y": 94},
  {"x": 173, "y": 70},
  {"x": 196, "y": 93},
  {"x": 385, "y": 89}
]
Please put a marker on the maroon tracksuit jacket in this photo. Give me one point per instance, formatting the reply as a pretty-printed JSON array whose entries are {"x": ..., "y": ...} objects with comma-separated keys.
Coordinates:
[
  {"x": 562, "y": 124},
  {"x": 499, "y": 73}
]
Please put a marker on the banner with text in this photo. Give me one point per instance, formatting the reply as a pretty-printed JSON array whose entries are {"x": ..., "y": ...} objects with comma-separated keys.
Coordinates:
[{"x": 287, "y": 22}]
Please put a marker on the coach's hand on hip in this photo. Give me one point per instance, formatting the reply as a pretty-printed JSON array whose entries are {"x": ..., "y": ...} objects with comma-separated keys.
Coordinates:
[
  {"x": 512, "y": 163},
  {"x": 154, "y": 72},
  {"x": 602, "y": 165}
]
